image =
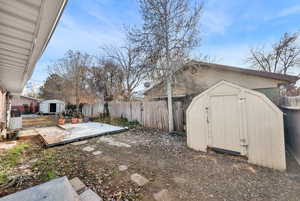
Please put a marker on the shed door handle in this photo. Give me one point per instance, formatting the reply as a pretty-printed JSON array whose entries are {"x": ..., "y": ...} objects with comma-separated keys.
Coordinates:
[{"x": 207, "y": 119}]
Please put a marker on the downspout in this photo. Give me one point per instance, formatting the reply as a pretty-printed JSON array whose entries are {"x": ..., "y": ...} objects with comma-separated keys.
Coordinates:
[{"x": 8, "y": 110}]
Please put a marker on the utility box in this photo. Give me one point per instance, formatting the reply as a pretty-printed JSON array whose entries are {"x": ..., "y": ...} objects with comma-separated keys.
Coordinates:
[{"x": 15, "y": 121}]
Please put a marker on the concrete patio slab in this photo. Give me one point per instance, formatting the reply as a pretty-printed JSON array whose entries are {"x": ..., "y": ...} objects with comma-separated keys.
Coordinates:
[
  {"x": 67, "y": 133},
  {"x": 54, "y": 190}
]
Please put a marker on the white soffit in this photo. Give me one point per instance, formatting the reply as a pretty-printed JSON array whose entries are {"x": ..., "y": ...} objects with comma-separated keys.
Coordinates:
[{"x": 26, "y": 27}]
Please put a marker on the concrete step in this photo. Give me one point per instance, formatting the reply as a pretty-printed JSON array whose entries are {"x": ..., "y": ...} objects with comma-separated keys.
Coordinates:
[
  {"x": 60, "y": 189},
  {"x": 85, "y": 194},
  {"x": 27, "y": 133},
  {"x": 38, "y": 123},
  {"x": 55, "y": 190},
  {"x": 89, "y": 195}
]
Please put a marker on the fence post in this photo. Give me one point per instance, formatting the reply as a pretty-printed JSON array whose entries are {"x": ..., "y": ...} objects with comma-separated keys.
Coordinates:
[
  {"x": 142, "y": 113},
  {"x": 130, "y": 106}
]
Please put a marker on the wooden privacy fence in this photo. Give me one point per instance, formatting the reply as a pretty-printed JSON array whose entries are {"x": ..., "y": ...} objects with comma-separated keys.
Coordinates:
[
  {"x": 152, "y": 114},
  {"x": 290, "y": 101},
  {"x": 92, "y": 110}
]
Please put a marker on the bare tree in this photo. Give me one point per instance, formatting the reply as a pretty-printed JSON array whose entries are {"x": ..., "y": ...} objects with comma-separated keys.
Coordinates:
[
  {"x": 283, "y": 56},
  {"x": 72, "y": 69},
  {"x": 132, "y": 63},
  {"x": 105, "y": 81},
  {"x": 53, "y": 88},
  {"x": 169, "y": 32}
]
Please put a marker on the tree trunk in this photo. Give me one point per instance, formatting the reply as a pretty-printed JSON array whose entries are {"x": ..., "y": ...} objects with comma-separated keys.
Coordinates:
[{"x": 170, "y": 105}]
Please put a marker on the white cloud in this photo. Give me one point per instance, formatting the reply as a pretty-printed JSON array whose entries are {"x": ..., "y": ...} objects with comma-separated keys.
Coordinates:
[
  {"x": 285, "y": 12},
  {"x": 215, "y": 22},
  {"x": 289, "y": 11}
]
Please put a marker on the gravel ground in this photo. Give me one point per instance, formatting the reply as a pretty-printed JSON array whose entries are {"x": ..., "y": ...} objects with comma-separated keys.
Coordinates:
[{"x": 168, "y": 164}]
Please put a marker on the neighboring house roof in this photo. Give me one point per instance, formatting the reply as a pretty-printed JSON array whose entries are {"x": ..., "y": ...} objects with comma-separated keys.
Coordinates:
[
  {"x": 52, "y": 101},
  {"x": 31, "y": 98},
  {"x": 25, "y": 30},
  {"x": 275, "y": 76}
]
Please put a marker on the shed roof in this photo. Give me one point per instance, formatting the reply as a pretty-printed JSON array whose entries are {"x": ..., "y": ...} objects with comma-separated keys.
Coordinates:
[
  {"x": 268, "y": 75},
  {"x": 52, "y": 101}
]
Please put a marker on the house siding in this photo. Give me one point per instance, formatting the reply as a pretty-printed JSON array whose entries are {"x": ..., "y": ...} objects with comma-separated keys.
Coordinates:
[
  {"x": 193, "y": 81},
  {"x": 18, "y": 102}
]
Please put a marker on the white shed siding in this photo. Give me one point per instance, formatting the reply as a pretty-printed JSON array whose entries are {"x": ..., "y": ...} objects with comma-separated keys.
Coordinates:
[
  {"x": 258, "y": 124},
  {"x": 45, "y": 106}
]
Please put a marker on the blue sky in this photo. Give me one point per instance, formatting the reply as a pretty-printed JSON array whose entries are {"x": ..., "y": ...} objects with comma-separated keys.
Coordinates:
[{"x": 228, "y": 28}]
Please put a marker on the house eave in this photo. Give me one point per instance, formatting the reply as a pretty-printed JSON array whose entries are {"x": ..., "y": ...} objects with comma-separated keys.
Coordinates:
[{"x": 25, "y": 31}]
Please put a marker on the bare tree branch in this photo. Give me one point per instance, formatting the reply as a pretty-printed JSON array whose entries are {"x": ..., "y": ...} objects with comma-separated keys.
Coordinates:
[{"x": 284, "y": 55}]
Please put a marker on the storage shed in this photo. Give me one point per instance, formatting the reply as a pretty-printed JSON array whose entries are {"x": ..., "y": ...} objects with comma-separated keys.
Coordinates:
[
  {"x": 52, "y": 106},
  {"x": 233, "y": 119}
]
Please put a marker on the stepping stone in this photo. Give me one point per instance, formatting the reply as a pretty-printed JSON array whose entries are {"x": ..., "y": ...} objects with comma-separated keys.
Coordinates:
[
  {"x": 113, "y": 142},
  {"x": 79, "y": 143},
  {"x": 77, "y": 184},
  {"x": 139, "y": 179},
  {"x": 95, "y": 153},
  {"x": 89, "y": 195},
  {"x": 179, "y": 180},
  {"x": 123, "y": 167},
  {"x": 162, "y": 195},
  {"x": 88, "y": 149}
]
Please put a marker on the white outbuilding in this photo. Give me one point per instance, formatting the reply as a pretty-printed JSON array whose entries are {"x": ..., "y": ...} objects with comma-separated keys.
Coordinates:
[
  {"x": 52, "y": 106},
  {"x": 233, "y": 119}
]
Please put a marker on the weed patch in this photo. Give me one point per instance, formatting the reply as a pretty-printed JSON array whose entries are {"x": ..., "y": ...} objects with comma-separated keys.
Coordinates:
[
  {"x": 121, "y": 121},
  {"x": 9, "y": 160},
  {"x": 46, "y": 165}
]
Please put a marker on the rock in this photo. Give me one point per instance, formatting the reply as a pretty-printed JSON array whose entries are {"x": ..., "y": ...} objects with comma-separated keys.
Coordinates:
[
  {"x": 77, "y": 184},
  {"x": 139, "y": 179},
  {"x": 123, "y": 167},
  {"x": 179, "y": 180},
  {"x": 162, "y": 195},
  {"x": 95, "y": 153},
  {"x": 89, "y": 195},
  {"x": 88, "y": 149},
  {"x": 79, "y": 142}
]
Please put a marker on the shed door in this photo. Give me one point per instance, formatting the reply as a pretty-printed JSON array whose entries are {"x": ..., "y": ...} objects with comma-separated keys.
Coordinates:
[
  {"x": 225, "y": 123},
  {"x": 52, "y": 107}
]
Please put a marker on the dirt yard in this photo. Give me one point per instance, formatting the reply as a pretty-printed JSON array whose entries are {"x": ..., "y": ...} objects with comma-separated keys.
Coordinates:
[{"x": 163, "y": 159}]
